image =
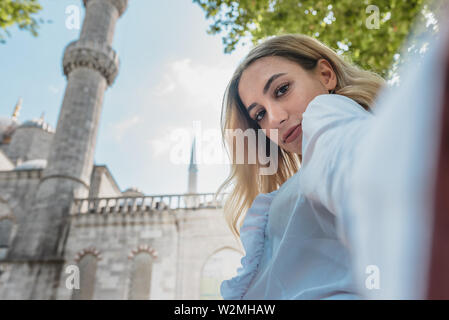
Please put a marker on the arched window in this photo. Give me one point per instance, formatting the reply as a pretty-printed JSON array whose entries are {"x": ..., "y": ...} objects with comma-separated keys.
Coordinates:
[
  {"x": 140, "y": 284},
  {"x": 219, "y": 266},
  {"x": 88, "y": 268},
  {"x": 6, "y": 226}
]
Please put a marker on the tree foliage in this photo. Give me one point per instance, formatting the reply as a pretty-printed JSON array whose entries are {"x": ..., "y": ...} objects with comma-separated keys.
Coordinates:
[
  {"x": 20, "y": 13},
  {"x": 343, "y": 25}
]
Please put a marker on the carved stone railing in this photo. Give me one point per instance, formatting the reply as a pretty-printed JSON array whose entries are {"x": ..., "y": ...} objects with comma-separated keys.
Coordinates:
[
  {"x": 21, "y": 174},
  {"x": 91, "y": 54},
  {"x": 136, "y": 204}
]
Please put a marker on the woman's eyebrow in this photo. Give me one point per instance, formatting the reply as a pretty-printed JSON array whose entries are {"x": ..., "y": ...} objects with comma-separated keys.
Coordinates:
[
  {"x": 265, "y": 89},
  {"x": 272, "y": 78}
]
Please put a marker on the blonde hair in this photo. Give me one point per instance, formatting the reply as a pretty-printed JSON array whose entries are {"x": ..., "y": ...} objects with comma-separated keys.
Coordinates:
[{"x": 352, "y": 82}]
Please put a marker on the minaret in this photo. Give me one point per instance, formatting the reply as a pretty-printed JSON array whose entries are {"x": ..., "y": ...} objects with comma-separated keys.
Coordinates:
[
  {"x": 5, "y": 138},
  {"x": 193, "y": 170},
  {"x": 90, "y": 65},
  {"x": 15, "y": 114}
]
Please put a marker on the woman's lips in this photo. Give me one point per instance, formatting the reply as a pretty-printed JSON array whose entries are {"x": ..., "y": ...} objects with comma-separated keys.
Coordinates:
[{"x": 295, "y": 133}]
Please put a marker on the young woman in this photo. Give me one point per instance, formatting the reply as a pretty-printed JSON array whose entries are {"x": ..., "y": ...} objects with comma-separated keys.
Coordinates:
[{"x": 296, "y": 245}]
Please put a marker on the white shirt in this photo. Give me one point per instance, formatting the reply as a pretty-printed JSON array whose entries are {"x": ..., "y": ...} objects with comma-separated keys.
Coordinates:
[{"x": 294, "y": 249}]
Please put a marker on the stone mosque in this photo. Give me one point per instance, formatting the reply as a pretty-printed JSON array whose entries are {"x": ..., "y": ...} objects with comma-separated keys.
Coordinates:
[{"x": 67, "y": 231}]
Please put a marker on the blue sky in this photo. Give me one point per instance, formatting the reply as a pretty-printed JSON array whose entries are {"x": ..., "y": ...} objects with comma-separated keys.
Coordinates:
[{"x": 172, "y": 75}]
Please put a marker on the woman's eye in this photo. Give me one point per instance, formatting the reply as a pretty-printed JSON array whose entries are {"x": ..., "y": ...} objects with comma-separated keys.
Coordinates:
[
  {"x": 282, "y": 90},
  {"x": 258, "y": 116}
]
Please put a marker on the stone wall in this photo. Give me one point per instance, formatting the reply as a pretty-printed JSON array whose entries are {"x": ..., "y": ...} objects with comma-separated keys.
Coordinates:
[
  {"x": 28, "y": 143},
  {"x": 202, "y": 233},
  {"x": 113, "y": 238},
  {"x": 17, "y": 188},
  {"x": 5, "y": 163},
  {"x": 102, "y": 184},
  {"x": 182, "y": 242}
]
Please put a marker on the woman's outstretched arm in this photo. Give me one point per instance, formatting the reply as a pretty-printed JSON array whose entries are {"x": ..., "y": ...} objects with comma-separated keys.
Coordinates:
[
  {"x": 377, "y": 175},
  {"x": 333, "y": 128}
]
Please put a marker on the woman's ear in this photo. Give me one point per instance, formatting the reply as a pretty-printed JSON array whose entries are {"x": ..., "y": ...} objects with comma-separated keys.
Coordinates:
[{"x": 326, "y": 74}]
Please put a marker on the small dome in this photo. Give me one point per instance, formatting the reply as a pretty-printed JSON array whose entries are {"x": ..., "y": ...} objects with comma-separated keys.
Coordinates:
[
  {"x": 37, "y": 123},
  {"x": 132, "y": 192},
  {"x": 7, "y": 125},
  {"x": 32, "y": 164}
]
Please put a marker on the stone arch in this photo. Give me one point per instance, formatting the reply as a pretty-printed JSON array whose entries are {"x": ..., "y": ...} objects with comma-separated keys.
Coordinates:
[
  {"x": 89, "y": 250},
  {"x": 141, "y": 271},
  {"x": 86, "y": 260},
  {"x": 220, "y": 265}
]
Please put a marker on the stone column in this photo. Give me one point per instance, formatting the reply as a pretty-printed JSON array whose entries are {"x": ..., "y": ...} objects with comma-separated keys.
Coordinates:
[{"x": 90, "y": 65}]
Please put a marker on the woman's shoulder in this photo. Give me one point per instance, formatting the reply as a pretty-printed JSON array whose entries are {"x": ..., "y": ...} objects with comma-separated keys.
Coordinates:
[
  {"x": 334, "y": 114},
  {"x": 263, "y": 200},
  {"x": 334, "y": 104},
  {"x": 333, "y": 126},
  {"x": 252, "y": 235},
  {"x": 257, "y": 215}
]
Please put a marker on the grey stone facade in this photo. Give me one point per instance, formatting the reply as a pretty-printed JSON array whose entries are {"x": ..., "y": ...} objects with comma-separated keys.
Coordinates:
[{"x": 29, "y": 143}]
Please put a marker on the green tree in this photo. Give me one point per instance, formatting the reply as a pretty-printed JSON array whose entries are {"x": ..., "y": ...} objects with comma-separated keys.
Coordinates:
[
  {"x": 20, "y": 13},
  {"x": 344, "y": 25}
]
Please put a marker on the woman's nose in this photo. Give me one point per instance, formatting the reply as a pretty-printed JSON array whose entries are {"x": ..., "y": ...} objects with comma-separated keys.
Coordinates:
[{"x": 276, "y": 116}]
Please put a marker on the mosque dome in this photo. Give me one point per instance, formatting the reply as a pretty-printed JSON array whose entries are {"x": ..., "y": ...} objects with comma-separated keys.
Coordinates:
[
  {"x": 7, "y": 125},
  {"x": 132, "y": 192},
  {"x": 37, "y": 123},
  {"x": 32, "y": 164}
]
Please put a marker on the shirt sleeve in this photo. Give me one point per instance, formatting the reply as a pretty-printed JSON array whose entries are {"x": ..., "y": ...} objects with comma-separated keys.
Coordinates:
[
  {"x": 252, "y": 235},
  {"x": 333, "y": 127}
]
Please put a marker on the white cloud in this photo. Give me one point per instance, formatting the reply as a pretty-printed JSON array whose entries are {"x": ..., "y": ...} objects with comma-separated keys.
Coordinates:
[
  {"x": 188, "y": 91},
  {"x": 121, "y": 128},
  {"x": 194, "y": 84},
  {"x": 55, "y": 89},
  {"x": 163, "y": 142},
  {"x": 159, "y": 146},
  {"x": 165, "y": 87}
]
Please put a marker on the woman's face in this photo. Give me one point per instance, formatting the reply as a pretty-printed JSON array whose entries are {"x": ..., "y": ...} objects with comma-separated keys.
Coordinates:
[{"x": 277, "y": 91}]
